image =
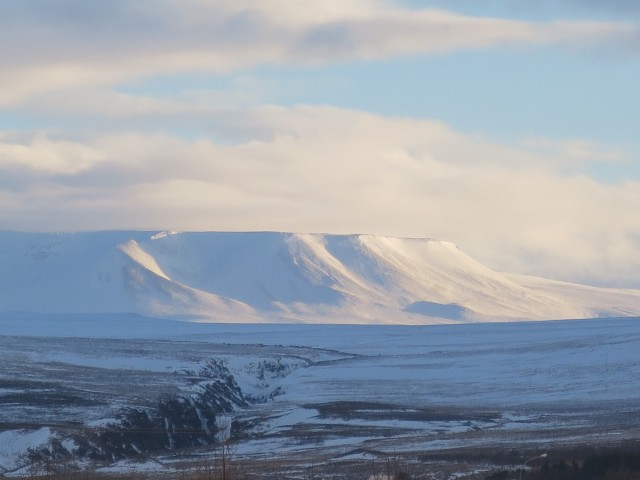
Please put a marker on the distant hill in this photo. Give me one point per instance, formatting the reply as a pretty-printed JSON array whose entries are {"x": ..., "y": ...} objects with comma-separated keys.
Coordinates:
[{"x": 280, "y": 277}]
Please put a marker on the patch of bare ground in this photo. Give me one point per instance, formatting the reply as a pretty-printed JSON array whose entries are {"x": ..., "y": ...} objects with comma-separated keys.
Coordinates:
[{"x": 590, "y": 462}]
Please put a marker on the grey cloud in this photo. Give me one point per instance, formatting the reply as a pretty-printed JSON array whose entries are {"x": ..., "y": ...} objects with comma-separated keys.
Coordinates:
[
  {"x": 109, "y": 176},
  {"x": 553, "y": 8},
  {"x": 18, "y": 179},
  {"x": 82, "y": 43},
  {"x": 617, "y": 7},
  {"x": 336, "y": 38}
]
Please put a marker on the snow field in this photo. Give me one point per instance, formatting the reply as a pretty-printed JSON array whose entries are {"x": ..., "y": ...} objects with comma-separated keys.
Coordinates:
[
  {"x": 280, "y": 277},
  {"x": 339, "y": 387}
]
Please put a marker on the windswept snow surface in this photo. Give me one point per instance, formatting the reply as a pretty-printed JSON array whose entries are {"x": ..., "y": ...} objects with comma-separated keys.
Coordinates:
[
  {"x": 280, "y": 277},
  {"x": 330, "y": 389}
]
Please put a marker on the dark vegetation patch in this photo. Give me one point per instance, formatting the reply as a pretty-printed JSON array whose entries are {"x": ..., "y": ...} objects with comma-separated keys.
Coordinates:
[
  {"x": 386, "y": 411},
  {"x": 621, "y": 463},
  {"x": 319, "y": 433},
  {"x": 588, "y": 464},
  {"x": 46, "y": 399},
  {"x": 21, "y": 384}
]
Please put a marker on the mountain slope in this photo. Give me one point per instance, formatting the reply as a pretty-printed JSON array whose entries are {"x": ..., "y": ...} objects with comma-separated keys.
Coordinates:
[{"x": 279, "y": 277}]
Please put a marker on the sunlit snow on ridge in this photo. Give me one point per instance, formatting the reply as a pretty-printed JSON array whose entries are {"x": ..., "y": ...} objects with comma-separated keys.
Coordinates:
[{"x": 280, "y": 277}]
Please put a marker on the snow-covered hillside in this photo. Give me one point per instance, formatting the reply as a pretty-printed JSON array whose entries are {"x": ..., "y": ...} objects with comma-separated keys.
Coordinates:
[{"x": 260, "y": 277}]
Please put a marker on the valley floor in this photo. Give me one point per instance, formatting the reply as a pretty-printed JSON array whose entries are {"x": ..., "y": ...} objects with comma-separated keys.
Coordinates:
[{"x": 442, "y": 401}]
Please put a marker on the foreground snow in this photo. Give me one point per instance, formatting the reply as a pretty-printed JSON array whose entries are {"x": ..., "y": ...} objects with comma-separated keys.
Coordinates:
[
  {"x": 280, "y": 277},
  {"x": 328, "y": 390}
]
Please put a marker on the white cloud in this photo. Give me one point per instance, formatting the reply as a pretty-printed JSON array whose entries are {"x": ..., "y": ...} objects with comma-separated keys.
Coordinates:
[
  {"x": 41, "y": 154},
  {"x": 80, "y": 44},
  {"x": 574, "y": 152},
  {"x": 326, "y": 169}
]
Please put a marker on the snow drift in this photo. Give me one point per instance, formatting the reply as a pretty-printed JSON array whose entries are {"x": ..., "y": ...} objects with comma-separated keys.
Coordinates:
[{"x": 280, "y": 277}]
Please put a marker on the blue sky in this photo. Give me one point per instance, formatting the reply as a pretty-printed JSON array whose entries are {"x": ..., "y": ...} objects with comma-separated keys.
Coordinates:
[{"x": 506, "y": 126}]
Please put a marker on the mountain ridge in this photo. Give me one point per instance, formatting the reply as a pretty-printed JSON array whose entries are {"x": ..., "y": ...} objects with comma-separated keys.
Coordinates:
[{"x": 280, "y": 277}]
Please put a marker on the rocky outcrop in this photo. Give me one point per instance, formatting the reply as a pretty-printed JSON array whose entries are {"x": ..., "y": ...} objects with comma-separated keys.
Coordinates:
[{"x": 190, "y": 418}]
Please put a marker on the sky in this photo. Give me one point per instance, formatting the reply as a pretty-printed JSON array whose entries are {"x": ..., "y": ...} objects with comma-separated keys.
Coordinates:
[{"x": 509, "y": 127}]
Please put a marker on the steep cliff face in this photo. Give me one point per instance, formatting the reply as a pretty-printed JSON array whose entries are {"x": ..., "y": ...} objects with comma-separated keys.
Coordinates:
[
  {"x": 266, "y": 277},
  {"x": 200, "y": 413}
]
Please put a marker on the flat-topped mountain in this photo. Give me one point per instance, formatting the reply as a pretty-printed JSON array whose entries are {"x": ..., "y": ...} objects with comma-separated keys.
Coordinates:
[{"x": 275, "y": 277}]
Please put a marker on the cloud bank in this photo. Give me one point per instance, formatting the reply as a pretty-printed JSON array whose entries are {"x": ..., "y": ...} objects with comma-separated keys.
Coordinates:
[
  {"x": 47, "y": 47},
  {"x": 311, "y": 168}
]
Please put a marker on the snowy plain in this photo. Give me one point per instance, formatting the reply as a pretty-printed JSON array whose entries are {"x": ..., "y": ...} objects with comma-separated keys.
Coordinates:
[{"x": 347, "y": 388}]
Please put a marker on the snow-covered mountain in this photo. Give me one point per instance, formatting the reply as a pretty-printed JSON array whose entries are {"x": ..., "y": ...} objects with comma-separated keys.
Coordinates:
[{"x": 259, "y": 277}]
